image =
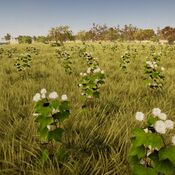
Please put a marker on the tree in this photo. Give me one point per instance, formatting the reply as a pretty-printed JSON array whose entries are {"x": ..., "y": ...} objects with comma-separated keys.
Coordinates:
[
  {"x": 24, "y": 39},
  {"x": 7, "y": 37},
  {"x": 60, "y": 33},
  {"x": 97, "y": 32},
  {"x": 128, "y": 32},
  {"x": 144, "y": 34},
  {"x": 168, "y": 33},
  {"x": 81, "y": 35},
  {"x": 111, "y": 34},
  {"x": 42, "y": 39}
]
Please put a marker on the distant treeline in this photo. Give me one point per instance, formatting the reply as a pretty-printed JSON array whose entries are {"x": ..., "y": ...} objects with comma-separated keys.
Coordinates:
[{"x": 98, "y": 32}]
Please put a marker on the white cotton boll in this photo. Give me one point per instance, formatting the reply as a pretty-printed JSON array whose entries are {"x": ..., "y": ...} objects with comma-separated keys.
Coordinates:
[
  {"x": 43, "y": 91},
  {"x": 64, "y": 97},
  {"x": 162, "y": 116},
  {"x": 142, "y": 162},
  {"x": 97, "y": 70},
  {"x": 89, "y": 70},
  {"x": 37, "y": 97},
  {"x": 102, "y": 71},
  {"x": 48, "y": 127},
  {"x": 169, "y": 124},
  {"x": 139, "y": 116},
  {"x": 173, "y": 140},
  {"x": 53, "y": 95},
  {"x": 43, "y": 95},
  {"x": 162, "y": 68},
  {"x": 89, "y": 96},
  {"x": 36, "y": 114},
  {"x": 156, "y": 111},
  {"x": 148, "y": 62},
  {"x": 146, "y": 130},
  {"x": 51, "y": 127},
  {"x": 160, "y": 127},
  {"x": 54, "y": 111}
]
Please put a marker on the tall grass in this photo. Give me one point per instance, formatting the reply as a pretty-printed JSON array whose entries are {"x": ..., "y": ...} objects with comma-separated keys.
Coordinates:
[{"x": 97, "y": 140}]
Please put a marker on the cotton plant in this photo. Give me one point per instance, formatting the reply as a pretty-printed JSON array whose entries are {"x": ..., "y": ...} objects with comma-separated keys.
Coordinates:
[
  {"x": 23, "y": 62},
  {"x": 65, "y": 59},
  {"x": 90, "y": 60},
  {"x": 125, "y": 60},
  {"x": 91, "y": 82},
  {"x": 9, "y": 53},
  {"x": 50, "y": 111},
  {"x": 153, "y": 145},
  {"x": 154, "y": 73},
  {"x": 32, "y": 50},
  {"x": 1, "y": 52}
]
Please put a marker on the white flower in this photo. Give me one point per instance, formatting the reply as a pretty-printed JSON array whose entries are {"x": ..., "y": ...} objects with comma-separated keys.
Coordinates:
[
  {"x": 81, "y": 74},
  {"x": 54, "y": 111},
  {"x": 97, "y": 70},
  {"x": 48, "y": 127},
  {"x": 139, "y": 116},
  {"x": 162, "y": 68},
  {"x": 102, "y": 71},
  {"x": 43, "y": 95},
  {"x": 84, "y": 74},
  {"x": 64, "y": 97},
  {"x": 146, "y": 130},
  {"x": 37, "y": 97},
  {"x": 169, "y": 124},
  {"x": 53, "y": 95},
  {"x": 142, "y": 162},
  {"x": 89, "y": 96},
  {"x": 96, "y": 80},
  {"x": 89, "y": 70},
  {"x": 162, "y": 116},
  {"x": 36, "y": 114},
  {"x": 43, "y": 91},
  {"x": 51, "y": 127},
  {"x": 173, "y": 140},
  {"x": 80, "y": 85},
  {"x": 156, "y": 111},
  {"x": 160, "y": 127}
]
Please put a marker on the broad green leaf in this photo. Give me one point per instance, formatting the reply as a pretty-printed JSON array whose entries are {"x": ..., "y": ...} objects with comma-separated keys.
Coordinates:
[
  {"x": 168, "y": 153},
  {"x": 56, "y": 134},
  {"x": 141, "y": 170},
  {"x": 137, "y": 151},
  {"x": 151, "y": 121}
]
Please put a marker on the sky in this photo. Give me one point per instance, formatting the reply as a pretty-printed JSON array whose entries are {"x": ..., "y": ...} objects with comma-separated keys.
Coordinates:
[{"x": 36, "y": 17}]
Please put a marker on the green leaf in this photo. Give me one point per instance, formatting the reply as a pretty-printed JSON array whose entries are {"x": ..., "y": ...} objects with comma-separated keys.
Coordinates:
[
  {"x": 142, "y": 138},
  {"x": 45, "y": 121},
  {"x": 151, "y": 121},
  {"x": 164, "y": 166},
  {"x": 61, "y": 116},
  {"x": 44, "y": 156},
  {"x": 154, "y": 140},
  {"x": 56, "y": 134},
  {"x": 54, "y": 104},
  {"x": 141, "y": 170},
  {"x": 43, "y": 133},
  {"x": 137, "y": 151},
  {"x": 168, "y": 153}
]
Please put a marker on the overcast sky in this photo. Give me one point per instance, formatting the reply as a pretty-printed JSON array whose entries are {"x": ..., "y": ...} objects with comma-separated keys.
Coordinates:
[{"x": 36, "y": 17}]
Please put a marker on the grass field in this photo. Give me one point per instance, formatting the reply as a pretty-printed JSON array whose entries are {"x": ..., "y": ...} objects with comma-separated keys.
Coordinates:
[{"x": 98, "y": 139}]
